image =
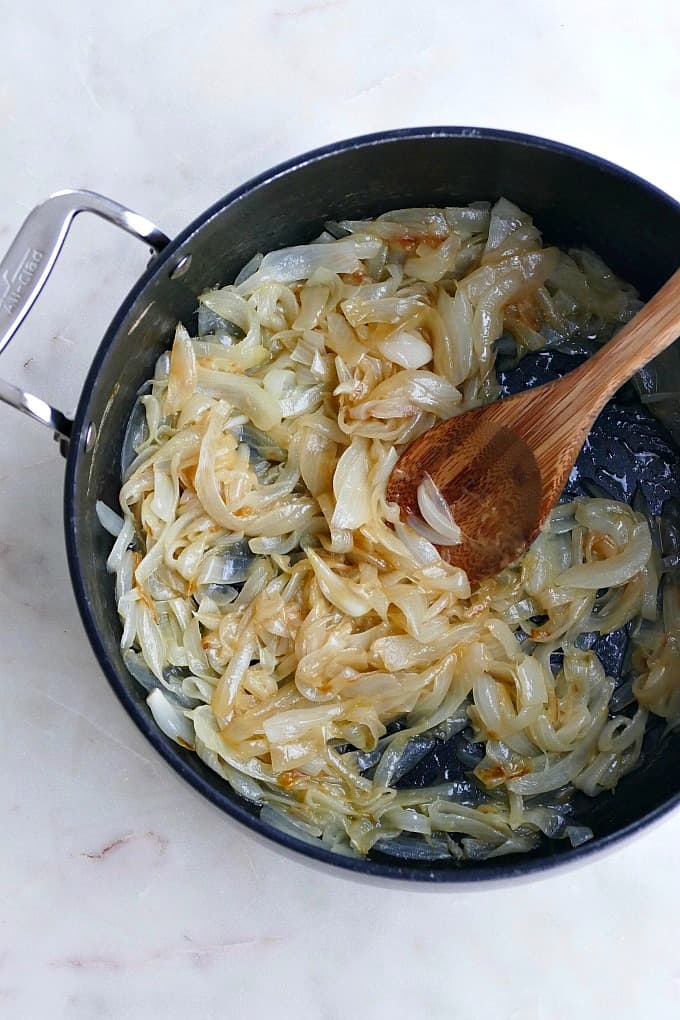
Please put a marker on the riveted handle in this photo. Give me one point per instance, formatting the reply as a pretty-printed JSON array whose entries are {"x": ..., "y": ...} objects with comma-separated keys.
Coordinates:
[{"x": 26, "y": 266}]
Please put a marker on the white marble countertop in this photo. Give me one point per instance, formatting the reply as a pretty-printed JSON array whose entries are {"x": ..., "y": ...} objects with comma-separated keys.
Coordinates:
[{"x": 124, "y": 894}]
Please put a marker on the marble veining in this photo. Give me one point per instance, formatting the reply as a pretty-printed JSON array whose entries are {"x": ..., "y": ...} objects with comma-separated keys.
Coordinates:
[
  {"x": 124, "y": 895},
  {"x": 153, "y": 839}
]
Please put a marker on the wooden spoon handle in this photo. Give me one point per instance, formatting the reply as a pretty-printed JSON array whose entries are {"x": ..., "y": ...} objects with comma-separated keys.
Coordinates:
[{"x": 650, "y": 332}]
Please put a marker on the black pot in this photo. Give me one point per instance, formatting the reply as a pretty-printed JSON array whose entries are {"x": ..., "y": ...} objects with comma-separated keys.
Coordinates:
[{"x": 576, "y": 199}]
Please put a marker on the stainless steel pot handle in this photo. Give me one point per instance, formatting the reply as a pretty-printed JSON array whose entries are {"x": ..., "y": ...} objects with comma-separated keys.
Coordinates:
[{"x": 28, "y": 263}]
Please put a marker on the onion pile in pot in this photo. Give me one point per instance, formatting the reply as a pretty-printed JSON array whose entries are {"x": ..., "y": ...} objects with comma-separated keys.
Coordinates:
[{"x": 310, "y": 646}]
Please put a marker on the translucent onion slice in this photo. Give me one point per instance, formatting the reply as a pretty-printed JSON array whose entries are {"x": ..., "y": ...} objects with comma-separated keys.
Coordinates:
[
  {"x": 345, "y": 595},
  {"x": 615, "y": 570},
  {"x": 108, "y": 518},
  {"x": 298, "y": 263},
  {"x": 406, "y": 349},
  {"x": 437, "y": 513},
  {"x": 171, "y": 720},
  {"x": 350, "y": 485}
]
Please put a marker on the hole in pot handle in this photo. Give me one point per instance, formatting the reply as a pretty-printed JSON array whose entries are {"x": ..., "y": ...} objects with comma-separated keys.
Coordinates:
[{"x": 28, "y": 263}]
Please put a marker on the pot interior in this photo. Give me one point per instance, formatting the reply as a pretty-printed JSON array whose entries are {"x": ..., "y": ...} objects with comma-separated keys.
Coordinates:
[{"x": 575, "y": 200}]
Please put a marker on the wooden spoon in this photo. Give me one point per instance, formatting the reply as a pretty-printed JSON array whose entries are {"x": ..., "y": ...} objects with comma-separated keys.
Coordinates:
[{"x": 501, "y": 468}]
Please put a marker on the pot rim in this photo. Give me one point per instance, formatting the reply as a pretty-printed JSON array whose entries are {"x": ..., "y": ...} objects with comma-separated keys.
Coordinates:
[{"x": 396, "y": 872}]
